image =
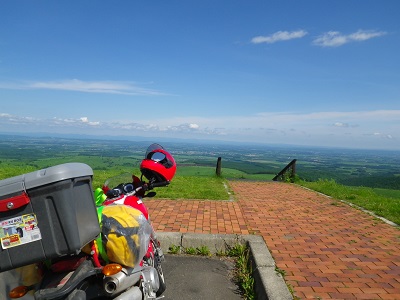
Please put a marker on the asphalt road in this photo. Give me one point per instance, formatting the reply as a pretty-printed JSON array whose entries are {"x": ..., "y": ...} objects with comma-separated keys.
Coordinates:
[
  {"x": 187, "y": 277},
  {"x": 197, "y": 277}
]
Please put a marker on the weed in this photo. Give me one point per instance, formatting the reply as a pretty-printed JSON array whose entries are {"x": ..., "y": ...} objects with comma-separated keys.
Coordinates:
[
  {"x": 174, "y": 249},
  {"x": 236, "y": 250},
  {"x": 280, "y": 271},
  {"x": 191, "y": 251},
  {"x": 243, "y": 270},
  {"x": 291, "y": 290},
  {"x": 244, "y": 274},
  {"x": 203, "y": 250},
  {"x": 221, "y": 253}
]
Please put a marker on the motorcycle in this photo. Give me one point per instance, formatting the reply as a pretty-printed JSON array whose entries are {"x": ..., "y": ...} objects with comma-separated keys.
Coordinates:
[{"x": 124, "y": 262}]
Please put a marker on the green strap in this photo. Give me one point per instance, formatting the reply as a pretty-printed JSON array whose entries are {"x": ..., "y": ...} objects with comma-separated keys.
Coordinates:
[
  {"x": 99, "y": 239},
  {"x": 99, "y": 196}
]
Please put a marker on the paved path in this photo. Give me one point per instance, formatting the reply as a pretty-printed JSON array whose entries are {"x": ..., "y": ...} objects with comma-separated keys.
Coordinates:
[
  {"x": 197, "y": 277},
  {"x": 327, "y": 249}
]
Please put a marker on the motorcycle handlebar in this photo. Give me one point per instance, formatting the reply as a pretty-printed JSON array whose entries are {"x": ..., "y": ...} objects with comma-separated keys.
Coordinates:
[
  {"x": 119, "y": 190},
  {"x": 158, "y": 184}
]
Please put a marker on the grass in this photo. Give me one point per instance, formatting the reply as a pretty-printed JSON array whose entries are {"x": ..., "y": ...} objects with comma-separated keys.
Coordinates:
[
  {"x": 200, "y": 182},
  {"x": 243, "y": 273},
  {"x": 395, "y": 194},
  {"x": 384, "y": 203},
  {"x": 195, "y": 187},
  {"x": 190, "y": 182},
  {"x": 226, "y": 173}
]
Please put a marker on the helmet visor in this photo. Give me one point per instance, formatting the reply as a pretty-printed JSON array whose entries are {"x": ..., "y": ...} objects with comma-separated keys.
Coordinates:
[
  {"x": 160, "y": 158},
  {"x": 156, "y": 156},
  {"x": 152, "y": 148}
]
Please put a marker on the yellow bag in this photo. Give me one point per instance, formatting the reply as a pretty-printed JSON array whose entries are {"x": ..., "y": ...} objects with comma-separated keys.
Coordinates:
[{"x": 125, "y": 234}]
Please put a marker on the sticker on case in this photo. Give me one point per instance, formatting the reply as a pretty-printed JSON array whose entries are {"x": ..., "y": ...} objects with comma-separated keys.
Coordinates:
[{"x": 19, "y": 230}]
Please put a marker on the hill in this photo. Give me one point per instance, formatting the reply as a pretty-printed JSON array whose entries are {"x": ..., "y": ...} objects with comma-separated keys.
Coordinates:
[{"x": 370, "y": 168}]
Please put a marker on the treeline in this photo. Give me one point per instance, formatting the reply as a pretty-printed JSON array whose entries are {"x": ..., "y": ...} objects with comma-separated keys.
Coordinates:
[
  {"x": 250, "y": 167},
  {"x": 384, "y": 182},
  {"x": 349, "y": 167}
]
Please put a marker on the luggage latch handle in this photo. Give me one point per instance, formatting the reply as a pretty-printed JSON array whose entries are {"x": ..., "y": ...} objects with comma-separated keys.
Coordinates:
[{"x": 14, "y": 202}]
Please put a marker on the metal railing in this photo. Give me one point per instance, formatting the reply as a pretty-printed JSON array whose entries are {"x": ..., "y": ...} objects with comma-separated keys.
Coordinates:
[{"x": 287, "y": 172}]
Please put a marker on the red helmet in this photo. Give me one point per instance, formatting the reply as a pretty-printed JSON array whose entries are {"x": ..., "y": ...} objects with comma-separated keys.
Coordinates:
[{"x": 158, "y": 164}]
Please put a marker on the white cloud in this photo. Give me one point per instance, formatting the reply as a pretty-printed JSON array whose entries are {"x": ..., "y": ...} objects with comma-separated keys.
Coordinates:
[
  {"x": 340, "y": 124},
  {"x": 186, "y": 127},
  {"x": 382, "y": 135},
  {"x": 13, "y": 119},
  {"x": 86, "y": 120},
  {"x": 363, "y": 35},
  {"x": 379, "y": 128},
  {"x": 279, "y": 36},
  {"x": 353, "y": 117},
  {"x": 335, "y": 38},
  {"x": 76, "y": 85}
]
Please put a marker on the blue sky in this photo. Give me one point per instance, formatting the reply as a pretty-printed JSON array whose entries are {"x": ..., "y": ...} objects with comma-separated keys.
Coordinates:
[{"x": 316, "y": 73}]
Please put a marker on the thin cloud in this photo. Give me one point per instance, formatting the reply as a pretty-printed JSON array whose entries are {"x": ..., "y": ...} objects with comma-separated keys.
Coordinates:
[
  {"x": 345, "y": 125},
  {"x": 336, "y": 39},
  {"x": 76, "y": 85},
  {"x": 381, "y": 135},
  {"x": 86, "y": 120},
  {"x": 340, "y": 124},
  {"x": 328, "y": 119},
  {"x": 183, "y": 127},
  {"x": 279, "y": 37},
  {"x": 383, "y": 115},
  {"x": 83, "y": 121},
  {"x": 319, "y": 128}
]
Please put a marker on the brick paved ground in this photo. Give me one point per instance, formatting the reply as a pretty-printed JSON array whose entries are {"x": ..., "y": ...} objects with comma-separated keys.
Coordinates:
[{"x": 328, "y": 250}]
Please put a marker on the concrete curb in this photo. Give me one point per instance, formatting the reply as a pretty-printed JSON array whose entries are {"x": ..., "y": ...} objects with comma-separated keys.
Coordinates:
[{"x": 268, "y": 283}]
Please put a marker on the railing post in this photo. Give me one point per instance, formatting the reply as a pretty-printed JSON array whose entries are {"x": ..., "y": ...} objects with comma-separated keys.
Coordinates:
[
  {"x": 293, "y": 169},
  {"x": 218, "y": 169}
]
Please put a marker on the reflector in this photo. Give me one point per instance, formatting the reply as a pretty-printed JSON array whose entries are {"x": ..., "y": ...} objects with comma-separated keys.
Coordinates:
[
  {"x": 18, "y": 292},
  {"x": 111, "y": 269}
]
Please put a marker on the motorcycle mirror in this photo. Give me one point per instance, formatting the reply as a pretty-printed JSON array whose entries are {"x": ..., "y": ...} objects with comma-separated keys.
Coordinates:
[{"x": 150, "y": 194}]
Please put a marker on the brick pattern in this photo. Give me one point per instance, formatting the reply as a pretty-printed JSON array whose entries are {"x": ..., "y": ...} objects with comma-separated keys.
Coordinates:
[
  {"x": 327, "y": 249},
  {"x": 197, "y": 216}
]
